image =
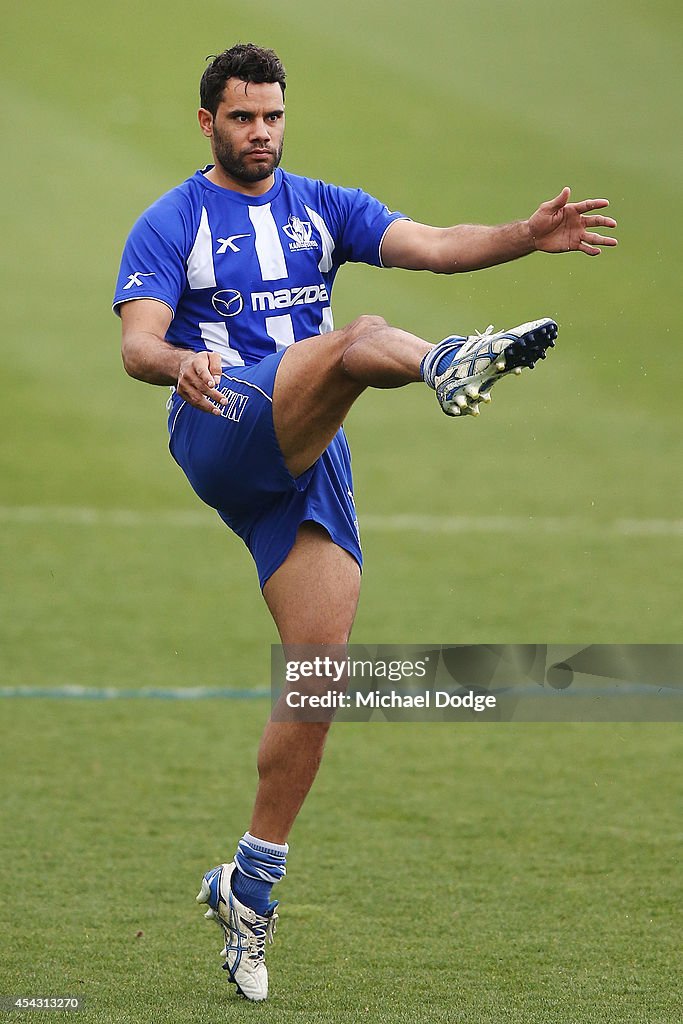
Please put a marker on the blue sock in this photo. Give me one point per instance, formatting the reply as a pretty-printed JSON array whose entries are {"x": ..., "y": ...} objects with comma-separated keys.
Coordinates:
[
  {"x": 440, "y": 358},
  {"x": 259, "y": 866}
]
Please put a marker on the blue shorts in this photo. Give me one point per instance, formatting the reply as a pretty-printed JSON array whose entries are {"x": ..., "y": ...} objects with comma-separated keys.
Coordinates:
[{"x": 235, "y": 465}]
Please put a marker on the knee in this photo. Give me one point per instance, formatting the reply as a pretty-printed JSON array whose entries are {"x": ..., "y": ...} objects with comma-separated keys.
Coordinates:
[
  {"x": 363, "y": 327},
  {"x": 365, "y": 332}
]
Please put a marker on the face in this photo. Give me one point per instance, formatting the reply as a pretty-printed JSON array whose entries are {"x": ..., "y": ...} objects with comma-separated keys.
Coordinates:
[{"x": 247, "y": 131}]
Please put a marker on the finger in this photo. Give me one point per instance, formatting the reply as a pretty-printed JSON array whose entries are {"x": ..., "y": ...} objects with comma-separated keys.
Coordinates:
[
  {"x": 561, "y": 200},
  {"x": 207, "y": 385},
  {"x": 590, "y": 204},
  {"x": 595, "y": 239},
  {"x": 206, "y": 378},
  {"x": 194, "y": 388},
  {"x": 590, "y": 250},
  {"x": 215, "y": 395},
  {"x": 194, "y": 396},
  {"x": 208, "y": 406},
  {"x": 215, "y": 365},
  {"x": 599, "y": 222},
  {"x": 204, "y": 403},
  {"x": 202, "y": 389}
]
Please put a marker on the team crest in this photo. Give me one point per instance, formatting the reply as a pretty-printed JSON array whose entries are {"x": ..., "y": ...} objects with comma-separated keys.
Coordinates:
[{"x": 299, "y": 232}]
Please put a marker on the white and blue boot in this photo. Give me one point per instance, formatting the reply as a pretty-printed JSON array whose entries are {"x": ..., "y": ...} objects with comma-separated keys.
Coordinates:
[
  {"x": 246, "y": 932},
  {"x": 479, "y": 361}
]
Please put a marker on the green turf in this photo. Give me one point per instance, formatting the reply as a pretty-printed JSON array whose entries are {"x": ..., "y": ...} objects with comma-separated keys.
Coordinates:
[
  {"x": 439, "y": 872},
  {"x": 556, "y": 843},
  {"x": 435, "y": 118}
]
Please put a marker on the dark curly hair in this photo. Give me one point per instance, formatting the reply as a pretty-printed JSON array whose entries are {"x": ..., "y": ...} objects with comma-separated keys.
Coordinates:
[{"x": 247, "y": 61}]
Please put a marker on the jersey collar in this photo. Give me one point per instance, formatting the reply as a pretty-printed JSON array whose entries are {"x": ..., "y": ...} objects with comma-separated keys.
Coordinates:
[{"x": 240, "y": 197}]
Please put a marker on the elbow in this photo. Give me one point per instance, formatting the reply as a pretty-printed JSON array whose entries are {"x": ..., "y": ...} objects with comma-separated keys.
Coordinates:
[
  {"x": 127, "y": 363},
  {"x": 129, "y": 360}
]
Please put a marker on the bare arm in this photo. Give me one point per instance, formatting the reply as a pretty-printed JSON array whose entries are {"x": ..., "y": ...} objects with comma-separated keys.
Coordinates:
[
  {"x": 147, "y": 356},
  {"x": 556, "y": 226}
]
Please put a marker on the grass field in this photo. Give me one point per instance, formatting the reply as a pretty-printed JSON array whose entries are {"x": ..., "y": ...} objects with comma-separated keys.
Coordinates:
[
  {"x": 546, "y": 859},
  {"x": 438, "y": 873}
]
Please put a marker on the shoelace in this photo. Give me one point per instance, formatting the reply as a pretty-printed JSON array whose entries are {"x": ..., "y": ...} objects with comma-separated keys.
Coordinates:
[
  {"x": 257, "y": 936},
  {"x": 482, "y": 335}
]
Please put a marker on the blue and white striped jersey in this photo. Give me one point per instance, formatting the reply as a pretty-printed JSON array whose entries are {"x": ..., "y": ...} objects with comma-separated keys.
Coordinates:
[{"x": 246, "y": 276}]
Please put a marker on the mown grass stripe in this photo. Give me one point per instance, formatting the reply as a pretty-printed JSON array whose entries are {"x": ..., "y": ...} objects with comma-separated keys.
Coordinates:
[
  {"x": 147, "y": 693},
  {"x": 69, "y": 515}
]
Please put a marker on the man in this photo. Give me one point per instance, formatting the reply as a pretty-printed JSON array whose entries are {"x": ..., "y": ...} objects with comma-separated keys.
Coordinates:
[{"x": 224, "y": 294}]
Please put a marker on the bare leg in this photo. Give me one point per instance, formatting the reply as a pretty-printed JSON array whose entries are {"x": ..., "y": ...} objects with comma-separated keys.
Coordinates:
[
  {"x": 319, "y": 380},
  {"x": 313, "y": 595},
  {"x": 313, "y": 598}
]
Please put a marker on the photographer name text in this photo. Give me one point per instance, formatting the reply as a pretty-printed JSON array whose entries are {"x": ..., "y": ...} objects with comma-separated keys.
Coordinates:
[{"x": 385, "y": 699}]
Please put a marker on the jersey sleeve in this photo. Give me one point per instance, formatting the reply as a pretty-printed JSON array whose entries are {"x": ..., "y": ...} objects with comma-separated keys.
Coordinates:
[
  {"x": 361, "y": 222},
  {"x": 153, "y": 265}
]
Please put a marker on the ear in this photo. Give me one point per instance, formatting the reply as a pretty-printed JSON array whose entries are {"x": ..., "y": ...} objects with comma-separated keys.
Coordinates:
[{"x": 205, "y": 118}]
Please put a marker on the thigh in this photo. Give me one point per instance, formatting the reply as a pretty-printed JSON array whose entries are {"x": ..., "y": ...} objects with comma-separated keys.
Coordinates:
[
  {"x": 313, "y": 595},
  {"x": 313, "y": 392}
]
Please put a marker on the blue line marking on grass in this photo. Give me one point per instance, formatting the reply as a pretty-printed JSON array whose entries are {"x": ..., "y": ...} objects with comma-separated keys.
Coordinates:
[{"x": 609, "y": 691}]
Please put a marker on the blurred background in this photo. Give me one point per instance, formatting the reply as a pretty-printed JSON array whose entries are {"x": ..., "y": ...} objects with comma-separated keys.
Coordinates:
[
  {"x": 554, "y": 518},
  {"x": 553, "y": 851}
]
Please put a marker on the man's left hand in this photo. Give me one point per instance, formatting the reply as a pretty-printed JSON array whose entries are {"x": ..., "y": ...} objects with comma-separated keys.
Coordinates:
[{"x": 561, "y": 226}]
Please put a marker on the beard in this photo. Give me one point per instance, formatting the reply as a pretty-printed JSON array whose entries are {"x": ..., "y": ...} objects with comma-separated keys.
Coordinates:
[{"x": 233, "y": 161}]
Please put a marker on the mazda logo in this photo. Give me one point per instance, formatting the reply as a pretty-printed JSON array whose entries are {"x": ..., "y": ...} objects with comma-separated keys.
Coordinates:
[{"x": 227, "y": 302}]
